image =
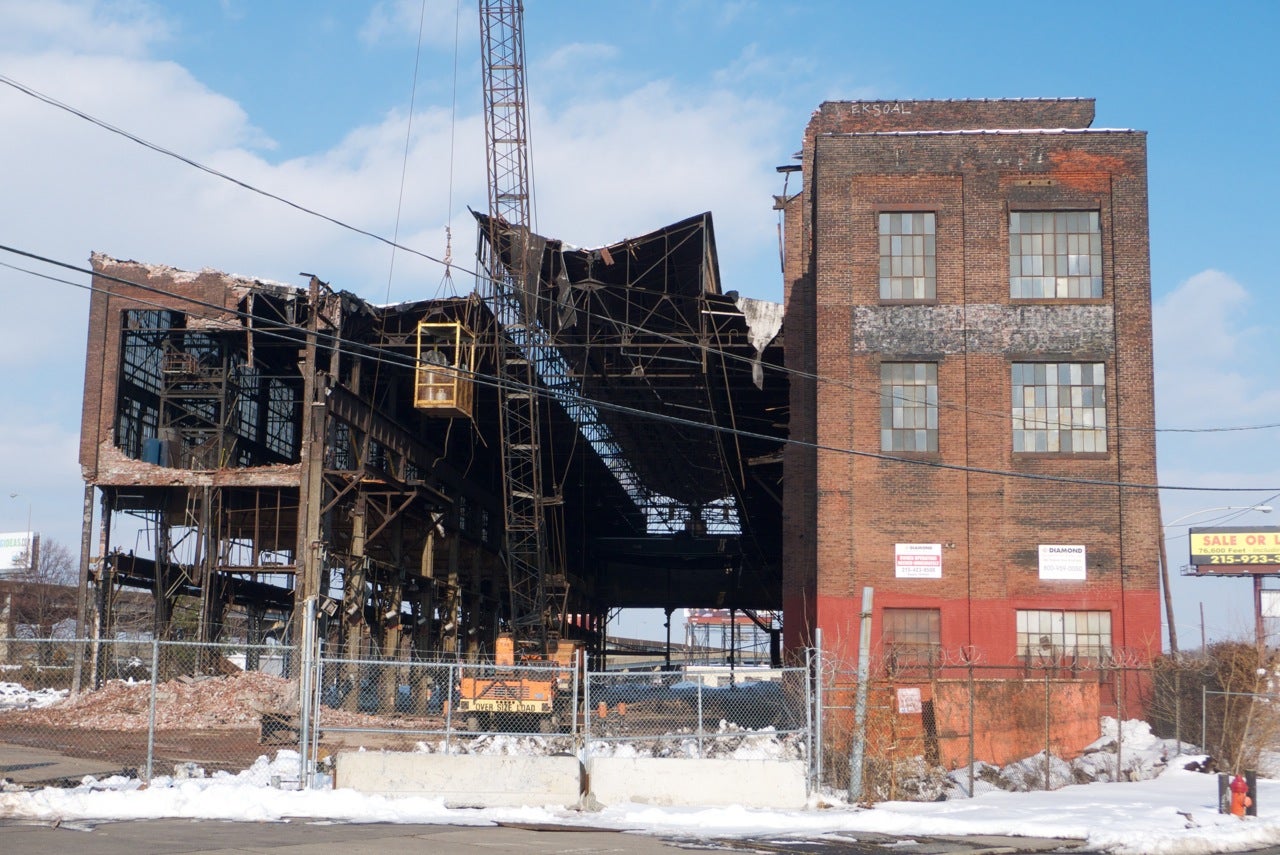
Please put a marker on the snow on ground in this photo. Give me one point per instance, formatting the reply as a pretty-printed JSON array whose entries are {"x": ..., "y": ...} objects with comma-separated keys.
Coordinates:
[
  {"x": 1173, "y": 813},
  {"x": 13, "y": 696}
]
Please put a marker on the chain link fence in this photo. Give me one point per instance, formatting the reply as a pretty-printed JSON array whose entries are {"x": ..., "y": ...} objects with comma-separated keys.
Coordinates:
[
  {"x": 147, "y": 707},
  {"x": 150, "y": 708},
  {"x": 920, "y": 728},
  {"x": 763, "y": 715},
  {"x": 443, "y": 707},
  {"x": 936, "y": 725}
]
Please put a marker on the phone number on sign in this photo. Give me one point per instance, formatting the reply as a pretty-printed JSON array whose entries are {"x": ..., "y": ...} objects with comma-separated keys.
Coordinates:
[{"x": 1261, "y": 558}]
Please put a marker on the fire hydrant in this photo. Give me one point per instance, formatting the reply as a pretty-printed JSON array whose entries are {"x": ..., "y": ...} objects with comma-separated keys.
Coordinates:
[{"x": 1240, "y": 800}]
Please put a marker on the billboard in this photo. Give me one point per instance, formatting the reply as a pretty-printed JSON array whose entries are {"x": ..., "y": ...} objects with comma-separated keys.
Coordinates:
[
  {"x": 1236, "y": 549},
  {"x": 15, "y": 552}
]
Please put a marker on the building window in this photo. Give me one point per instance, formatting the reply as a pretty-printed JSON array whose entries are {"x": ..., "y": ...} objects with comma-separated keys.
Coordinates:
[
  {"x": 1053, "y": 634},
  {"x": 908, "y": 406},
  {"x": 1054, "y": 254},
  {"x": 911, "y": 636},
  {"x": 908, "y": 261},
  {"x": 1059, "y": 407}
]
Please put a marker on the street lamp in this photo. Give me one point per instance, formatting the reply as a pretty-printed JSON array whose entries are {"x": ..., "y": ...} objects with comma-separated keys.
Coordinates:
[
  {"x": 1258, "y": 628},
  {"x": 31, "y": 538},
  {"x": 1262, "y": 509}
]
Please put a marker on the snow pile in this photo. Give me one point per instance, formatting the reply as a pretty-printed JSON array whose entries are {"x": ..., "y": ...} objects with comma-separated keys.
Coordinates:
[
  {"x": 1125, "y": 751},
  {"x": 729, "y": 741},
  {"x": 1173, "y": 813},
  {"x": 1171, "y": 810},
  {"x": 498, "y": 744},
  {"x": 14, "y": 696}
]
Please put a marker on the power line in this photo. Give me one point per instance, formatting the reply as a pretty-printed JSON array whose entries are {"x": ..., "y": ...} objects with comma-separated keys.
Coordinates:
[
  {"x": 53, "y": 102},
  {"x": 394, "y": 243},
  {"x": 447, "y": 263},
  {"x": 563, "y": 395}
]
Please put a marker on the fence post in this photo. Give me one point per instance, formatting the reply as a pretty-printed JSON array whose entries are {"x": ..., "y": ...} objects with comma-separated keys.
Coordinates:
[
  {"x": 454, "y": 676},
  {"x": 586, "y": 708},
  {"x": 700, "y": 728},
  {"x": 1120, "y": 674},
  {"x": 857, "y": 755},
  {"x": 305, "y": 679},
  {"x": 1047, "y": 734},
  {"x": 817, "y": 733},
  {"x": 578, "y": 674},
  {"x": 317, "y": 695},
  {"x": 972, "y": 703},
  {"x": 1204, "y": 718},
  {"x": 810, "y": 718},
  {"x": 151, "y": 709},
  {"x": 1177, "y": 704}
]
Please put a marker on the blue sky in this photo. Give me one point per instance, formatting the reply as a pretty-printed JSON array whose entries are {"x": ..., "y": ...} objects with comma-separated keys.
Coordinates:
[{"x": 643, "y": 113}]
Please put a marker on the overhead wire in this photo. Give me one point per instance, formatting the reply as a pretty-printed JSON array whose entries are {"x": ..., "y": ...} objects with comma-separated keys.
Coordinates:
[
  {"x": 447, "y": 278},
  {"x": 447, "y": 263},
  {"x": 562, "y": 395},
  {"x": 211, "y": 171},
  {"x": 408, "y": 141}
]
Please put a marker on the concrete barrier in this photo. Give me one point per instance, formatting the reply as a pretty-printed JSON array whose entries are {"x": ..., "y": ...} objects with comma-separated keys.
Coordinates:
[
  {"x": 711, "y": 782},
  {"x": 463, "y": 780}
]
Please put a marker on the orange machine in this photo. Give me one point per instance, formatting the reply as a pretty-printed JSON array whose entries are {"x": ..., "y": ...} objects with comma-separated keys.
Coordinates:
[{"x": 511, "y": 695}]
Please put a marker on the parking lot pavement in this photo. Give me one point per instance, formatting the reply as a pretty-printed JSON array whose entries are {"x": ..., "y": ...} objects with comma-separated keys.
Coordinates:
[
  {"x": 310, "y": 837},
  {"x": 24, "y": 765},
  {"x": 318, "y": 837}
]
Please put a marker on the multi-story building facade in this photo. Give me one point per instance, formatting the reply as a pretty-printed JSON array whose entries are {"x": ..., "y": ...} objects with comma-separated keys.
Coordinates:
[{"x": 969, "y": 323}]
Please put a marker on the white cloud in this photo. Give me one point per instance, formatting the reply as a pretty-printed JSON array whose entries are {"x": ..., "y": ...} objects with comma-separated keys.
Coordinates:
[
  {"x": 1213, "y": 369},
  {"x": 442, "y": 22},
  {"x": 759, "y": 67},
  {"x": 1213, "y": 356},
  {"x": 613, "y": 168},
  {"x": 608, "y": 166},
  {"x": 125, "y": 28},
  {"x": 578, "y": 57}
]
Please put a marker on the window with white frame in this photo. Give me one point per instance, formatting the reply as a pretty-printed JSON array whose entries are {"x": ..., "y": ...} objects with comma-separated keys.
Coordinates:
[
  {"x": 1055, "y": 254},
  {"x": 908, "y": 406},
  {"x": 1054, "y": 633},
  {"x": 908, "y": 257},
  {"x": 1059, "y": 407}
]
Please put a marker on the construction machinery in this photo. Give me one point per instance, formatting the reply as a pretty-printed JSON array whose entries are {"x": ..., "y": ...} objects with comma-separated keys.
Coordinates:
[{"x": 533, "y": 671}]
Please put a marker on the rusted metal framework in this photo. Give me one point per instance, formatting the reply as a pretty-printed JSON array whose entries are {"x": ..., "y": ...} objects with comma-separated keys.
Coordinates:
[{"x": 263, "y": 439}]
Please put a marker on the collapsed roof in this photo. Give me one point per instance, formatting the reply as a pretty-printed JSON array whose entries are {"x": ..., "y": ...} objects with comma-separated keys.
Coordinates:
[{"x": 688, "y": 407}]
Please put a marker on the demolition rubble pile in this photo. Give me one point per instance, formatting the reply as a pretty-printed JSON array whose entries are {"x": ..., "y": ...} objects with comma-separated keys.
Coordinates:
[
  {"x": 191, "y": 703},
  {"x": 186, "y": 702}
]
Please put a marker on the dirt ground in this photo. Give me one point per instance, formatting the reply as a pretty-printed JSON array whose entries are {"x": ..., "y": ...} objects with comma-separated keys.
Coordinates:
[{"x": 218, "y": 723}]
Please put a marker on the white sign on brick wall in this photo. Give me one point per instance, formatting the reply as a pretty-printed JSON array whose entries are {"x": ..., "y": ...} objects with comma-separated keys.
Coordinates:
[
  {"x": 1062, "y": 562},
  {"x": 910, "y": 702},
  {"x": 917, "y": 560}
]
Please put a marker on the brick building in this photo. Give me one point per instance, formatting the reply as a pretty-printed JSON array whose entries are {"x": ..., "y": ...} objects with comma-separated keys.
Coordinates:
[{"x": 968, "y": 309}]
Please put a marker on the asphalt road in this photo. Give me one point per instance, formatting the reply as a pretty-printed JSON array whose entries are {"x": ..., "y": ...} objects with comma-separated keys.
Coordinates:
[{"x": 312, "y": 837}]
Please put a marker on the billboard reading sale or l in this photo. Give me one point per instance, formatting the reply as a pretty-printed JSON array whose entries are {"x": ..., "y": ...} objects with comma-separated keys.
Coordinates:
[
  {"x": 1236, "y": 549},
  {"x": 15, "y": 552}
]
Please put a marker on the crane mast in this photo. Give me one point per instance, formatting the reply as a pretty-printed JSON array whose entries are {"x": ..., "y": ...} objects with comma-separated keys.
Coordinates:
[{"x": 512, "y": 291}]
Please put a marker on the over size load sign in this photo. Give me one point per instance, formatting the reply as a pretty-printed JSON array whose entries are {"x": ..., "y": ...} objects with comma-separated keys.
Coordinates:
[{"x": 1236, "y": 550}]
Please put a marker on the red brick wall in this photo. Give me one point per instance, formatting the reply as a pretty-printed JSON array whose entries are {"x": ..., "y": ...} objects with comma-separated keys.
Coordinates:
[{"x": 858, "y": 505}]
